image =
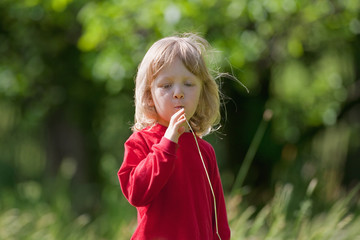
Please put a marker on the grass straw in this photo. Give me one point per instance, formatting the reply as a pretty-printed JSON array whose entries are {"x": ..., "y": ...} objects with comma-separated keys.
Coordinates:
[
  {"x": 251, "y": 152},
  {"x": 208, "y": 178}
]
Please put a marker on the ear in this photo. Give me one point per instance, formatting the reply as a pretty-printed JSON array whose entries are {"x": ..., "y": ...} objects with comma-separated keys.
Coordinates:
[
  {"x": 151, "y": 103},
  {"x": 149, "y": 98}
]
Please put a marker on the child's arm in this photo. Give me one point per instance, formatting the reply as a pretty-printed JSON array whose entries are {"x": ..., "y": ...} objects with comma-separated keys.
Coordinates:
[{"x": 145, "y": 171}]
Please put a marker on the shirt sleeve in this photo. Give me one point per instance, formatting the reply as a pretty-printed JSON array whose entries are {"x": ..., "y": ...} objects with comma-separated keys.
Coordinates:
[
  {"x": 145, "y": 170},
  {"x": 223, "y": 224}
]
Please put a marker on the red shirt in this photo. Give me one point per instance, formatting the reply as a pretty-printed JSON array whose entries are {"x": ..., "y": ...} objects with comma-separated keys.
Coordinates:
[{"x": 167, "y": 184}]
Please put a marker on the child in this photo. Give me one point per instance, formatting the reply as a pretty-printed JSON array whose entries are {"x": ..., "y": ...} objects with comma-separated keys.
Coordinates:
[{"x": 171, "y": 177}]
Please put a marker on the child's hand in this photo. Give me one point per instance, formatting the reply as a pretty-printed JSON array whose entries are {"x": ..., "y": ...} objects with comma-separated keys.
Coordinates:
[{"x": 176, "y": 126}]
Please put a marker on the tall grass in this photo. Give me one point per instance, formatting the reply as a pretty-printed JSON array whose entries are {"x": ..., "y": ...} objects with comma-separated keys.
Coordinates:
[{"x": 274, "y": 221}]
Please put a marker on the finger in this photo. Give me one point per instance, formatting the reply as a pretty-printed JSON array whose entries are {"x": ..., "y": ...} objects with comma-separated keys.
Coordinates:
[
  {"x": 181, "y": 130},
  {"x": 180, "y": 123},
  {"x": 177, "y": 115},
  {"x": 182, "y": 110}
]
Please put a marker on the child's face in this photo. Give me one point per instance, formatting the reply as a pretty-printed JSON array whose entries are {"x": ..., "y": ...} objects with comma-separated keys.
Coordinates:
[{"x": 174, "y": 88}]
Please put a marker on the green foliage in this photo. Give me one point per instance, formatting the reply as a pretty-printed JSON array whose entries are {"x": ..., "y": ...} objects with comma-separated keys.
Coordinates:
[
  {"x": 276, "y": 221},
  {"x": 38, "y": 220}
]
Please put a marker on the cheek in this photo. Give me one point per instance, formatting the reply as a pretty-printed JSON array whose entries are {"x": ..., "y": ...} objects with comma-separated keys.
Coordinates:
[
  {"x": 199, "y": 99},
  {"x": 196, "y": 101},
  {"x": 158, "y": 98},
  {"x": 163, "y": 95},
  {"x": 198, "y": 96}
]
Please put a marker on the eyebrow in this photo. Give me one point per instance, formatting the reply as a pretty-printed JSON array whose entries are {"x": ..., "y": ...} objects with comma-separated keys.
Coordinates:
[
  {"x": 164, "y": 78},
  {"x": 171, "y": 77}
]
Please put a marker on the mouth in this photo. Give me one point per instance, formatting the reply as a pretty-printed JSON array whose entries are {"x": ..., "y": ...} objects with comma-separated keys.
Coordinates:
[{"x": 179, "y": 107}]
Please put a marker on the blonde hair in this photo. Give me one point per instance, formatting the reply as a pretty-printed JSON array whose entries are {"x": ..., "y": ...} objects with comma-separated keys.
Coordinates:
[{"x": 190, "y": 48}]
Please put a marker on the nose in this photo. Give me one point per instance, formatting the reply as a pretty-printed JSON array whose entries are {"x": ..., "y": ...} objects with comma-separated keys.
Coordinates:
[{"x": 178, "y": 93}]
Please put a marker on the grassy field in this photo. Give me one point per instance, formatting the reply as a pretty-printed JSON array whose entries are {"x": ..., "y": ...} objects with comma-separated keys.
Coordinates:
[{"x": 26, "y": 216}]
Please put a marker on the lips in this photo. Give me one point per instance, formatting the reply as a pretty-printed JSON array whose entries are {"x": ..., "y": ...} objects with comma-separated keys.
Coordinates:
[{"x": 179, "y": 107}]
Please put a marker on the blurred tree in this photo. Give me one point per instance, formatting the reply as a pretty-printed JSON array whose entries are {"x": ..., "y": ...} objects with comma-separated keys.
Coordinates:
[{"x": 55, "y": 104}]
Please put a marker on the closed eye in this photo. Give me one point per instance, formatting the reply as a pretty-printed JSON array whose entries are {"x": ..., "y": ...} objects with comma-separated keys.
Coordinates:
[{"x": 166, "y": 86}]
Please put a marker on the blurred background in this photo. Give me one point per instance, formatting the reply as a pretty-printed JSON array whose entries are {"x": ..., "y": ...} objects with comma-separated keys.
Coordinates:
[{"x": 67, "y": 73}]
